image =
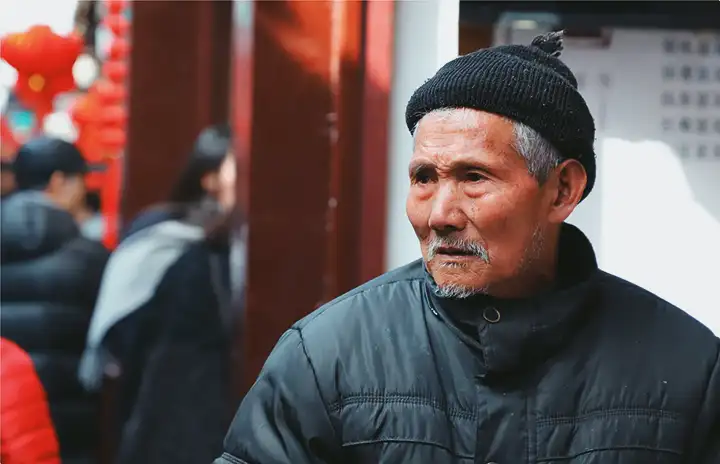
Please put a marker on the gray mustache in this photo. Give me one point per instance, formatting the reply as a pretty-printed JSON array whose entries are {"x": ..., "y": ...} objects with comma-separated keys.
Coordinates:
[{"x": 466, "y": 246}]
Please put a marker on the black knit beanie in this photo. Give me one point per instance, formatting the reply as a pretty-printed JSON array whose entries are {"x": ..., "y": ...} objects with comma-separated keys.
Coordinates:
[{"x": 528, "y": 84}]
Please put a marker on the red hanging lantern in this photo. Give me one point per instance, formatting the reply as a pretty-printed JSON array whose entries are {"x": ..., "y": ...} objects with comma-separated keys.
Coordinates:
[
  {"x": 44, "y": 62},
  {"x": 89, "y": 143},
  {"x": 110, "y": 93},
  {"x": 116, "y": 71},
  {"x": 113, "y": 140},
  {"x": 86, "y": 108},
  {"x": 111, "y": 89},
  {"x": 101, "y": 126},
  {"x": 119, "y": 49},
  {"x": 115, "y": 7},
  {"x": 117, "y": 24},
  {"x": 86, "y": 113},
  {"x": 114, "y": 117}
]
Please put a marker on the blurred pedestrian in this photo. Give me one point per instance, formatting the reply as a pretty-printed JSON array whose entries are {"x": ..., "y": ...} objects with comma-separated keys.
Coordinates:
[
  {"x": 196, "y": 193},
  {"x": 164, "y": 316},
  {"x": 505, "y": 343},
  {"x": 49, "y": 283},
  {"x": 27, "y": 435}
]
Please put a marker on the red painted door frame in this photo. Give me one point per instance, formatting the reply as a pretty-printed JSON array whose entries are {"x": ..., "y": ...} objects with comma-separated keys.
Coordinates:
[
  {"x": 310, "y": 94},
  {"x": 379, "y": 39},
  {"x": 179, "y": 83}
]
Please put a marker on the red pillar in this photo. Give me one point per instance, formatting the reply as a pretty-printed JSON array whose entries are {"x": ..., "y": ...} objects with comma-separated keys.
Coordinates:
[
  {"x": 310, "y": 96},
  {"x": 179, "y": 83},
  {"x": 378, "y": 61}
]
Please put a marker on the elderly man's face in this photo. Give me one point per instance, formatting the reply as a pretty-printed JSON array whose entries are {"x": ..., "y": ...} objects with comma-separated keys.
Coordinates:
[{"x": 479, "y": 214}]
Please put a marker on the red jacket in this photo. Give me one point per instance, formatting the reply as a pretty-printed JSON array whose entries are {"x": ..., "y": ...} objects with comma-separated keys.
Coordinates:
[{"x": 27, "y": 435}]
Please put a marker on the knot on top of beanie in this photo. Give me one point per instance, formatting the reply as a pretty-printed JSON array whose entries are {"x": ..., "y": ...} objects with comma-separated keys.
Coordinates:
[{"x": 551, "y": 43}]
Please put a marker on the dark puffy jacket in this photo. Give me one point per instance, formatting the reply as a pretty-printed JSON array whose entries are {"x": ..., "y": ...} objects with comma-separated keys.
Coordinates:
[
  {"x": 175, "y": 352},
  {"x": 597, "y": 371},
  {"x": 48, "y": 285}
]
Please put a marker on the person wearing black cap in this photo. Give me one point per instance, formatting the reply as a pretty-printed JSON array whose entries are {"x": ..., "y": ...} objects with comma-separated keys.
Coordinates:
[
  {"x": 49, "y": 282},
  {"x": 505, "y": 343}
]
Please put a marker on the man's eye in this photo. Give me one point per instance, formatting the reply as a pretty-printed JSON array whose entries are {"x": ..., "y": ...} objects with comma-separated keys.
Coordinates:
[
  {"x": 474, "y": 176},
  {"x": 422, "y": 177}
]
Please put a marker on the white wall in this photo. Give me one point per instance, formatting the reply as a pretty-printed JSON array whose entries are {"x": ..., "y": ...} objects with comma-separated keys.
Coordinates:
[
  {"x": 426, "y": 37},
  {"x": 654, "y": 218}
]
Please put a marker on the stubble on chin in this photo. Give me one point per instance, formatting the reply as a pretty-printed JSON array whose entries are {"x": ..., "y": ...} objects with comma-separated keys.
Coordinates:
[{"x": 455, "y": 280}]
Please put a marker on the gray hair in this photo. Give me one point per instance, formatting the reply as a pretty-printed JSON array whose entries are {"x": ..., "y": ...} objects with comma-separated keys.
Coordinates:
[{"x": 540, "y": 155}]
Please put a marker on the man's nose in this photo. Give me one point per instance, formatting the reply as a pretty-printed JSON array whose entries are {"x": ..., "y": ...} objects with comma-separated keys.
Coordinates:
[{"x": 446, "y": 214}]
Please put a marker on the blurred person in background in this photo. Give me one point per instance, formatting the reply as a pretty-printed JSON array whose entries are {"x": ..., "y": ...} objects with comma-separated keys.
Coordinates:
[
  {"x": 49, "y": 282},
  {"x": 196, "y": 191},
  {"x": 27, "y": 435},
  {"x": 164, "y": 316}
]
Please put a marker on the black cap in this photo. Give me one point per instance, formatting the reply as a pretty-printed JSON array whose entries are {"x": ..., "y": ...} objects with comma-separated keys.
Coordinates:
[
  {"x": 37, "y": 160},
  {"x": 528, "y": 84}
]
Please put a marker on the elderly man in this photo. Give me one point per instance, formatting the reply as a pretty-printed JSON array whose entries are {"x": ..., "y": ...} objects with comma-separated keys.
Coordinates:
[{"x": 505, "y": 343}]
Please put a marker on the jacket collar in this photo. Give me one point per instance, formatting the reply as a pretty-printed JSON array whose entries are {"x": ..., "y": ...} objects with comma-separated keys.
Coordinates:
[{"x": 514, "y": 334}]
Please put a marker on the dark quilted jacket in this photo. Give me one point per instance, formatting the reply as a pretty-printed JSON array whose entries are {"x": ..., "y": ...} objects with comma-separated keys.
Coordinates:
[
  {"x": 598, "y": 371},
  {"x": 48, "y": 285},
  {"x": 177, "y": 397}
]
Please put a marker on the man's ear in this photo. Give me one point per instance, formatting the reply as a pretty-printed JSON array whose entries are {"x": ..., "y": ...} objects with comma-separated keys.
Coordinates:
[{"x": 570, "y": 182}]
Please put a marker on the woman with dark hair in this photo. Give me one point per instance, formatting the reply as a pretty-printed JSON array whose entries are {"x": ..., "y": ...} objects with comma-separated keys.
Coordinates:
[
  {"x": 163, "y": 316},
  {"x": 202, "y": 184}
]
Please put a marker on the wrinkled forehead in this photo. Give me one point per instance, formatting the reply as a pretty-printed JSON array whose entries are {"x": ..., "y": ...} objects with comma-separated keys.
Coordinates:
[{"x": 463, "y": 131}]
